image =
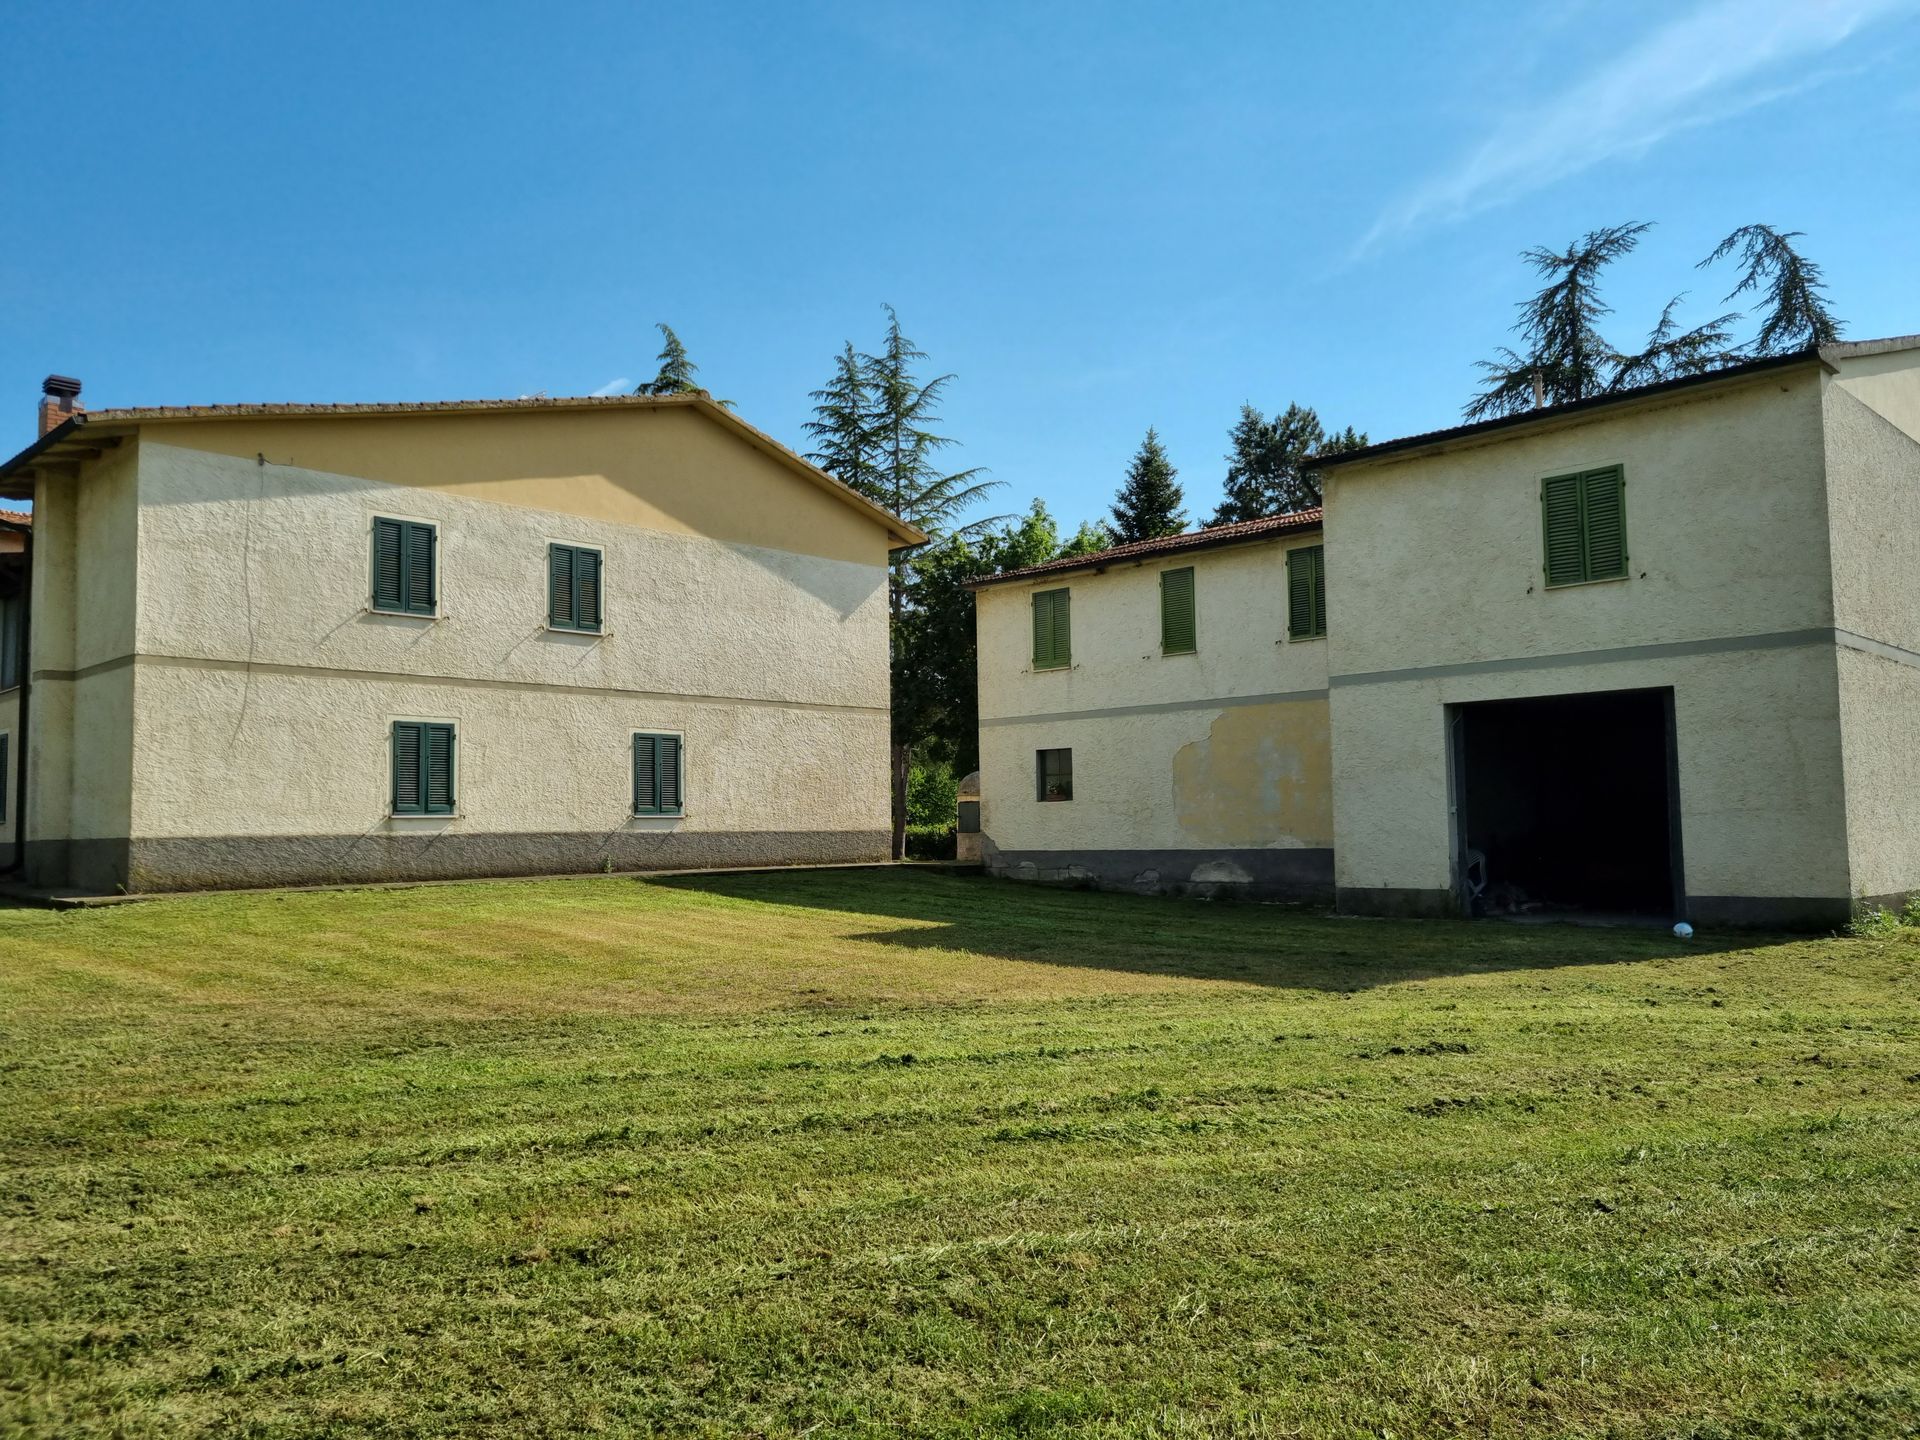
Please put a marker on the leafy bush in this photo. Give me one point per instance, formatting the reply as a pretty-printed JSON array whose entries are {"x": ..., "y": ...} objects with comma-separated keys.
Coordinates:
[
  {"x": 1874, "y": 922},
  {"x": 932, "y": 793}
]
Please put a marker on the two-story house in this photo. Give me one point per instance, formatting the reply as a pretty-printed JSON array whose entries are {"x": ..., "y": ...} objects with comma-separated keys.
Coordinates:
[
  {"x": 1656, "y": 652},
  {"x": 274, "y": 644}
]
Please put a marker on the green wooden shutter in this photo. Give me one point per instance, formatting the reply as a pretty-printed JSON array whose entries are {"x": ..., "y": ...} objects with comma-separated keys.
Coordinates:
[
  {"x": 403, "y": 567},
  {"x": 389, "y": 593},
  {"x": 407, "y": 799},
  {"x": 1306, "y": 592},
  {"x": 420, "y": 577},
  {"x": 1177, "y": 626},
  {"x": 646, "y": 780},
  {"x": 422, "y": 768},
  {"x": 1319, "y": 589},
  {"x": 669, "y": 752},
  {"x": 1052, "y": 629},
  {"x": 1561, "y": 522},
  {"x": 4, "y": 775},
  {"x": 586, "y": 589},
  {"x": 560, "y": 586},
  {"x": 1603, "y": 509},
  {"x": 1584, "y": 522},
  {"x": 657, "y": 786},
  {"x": 437, "y": 798}
]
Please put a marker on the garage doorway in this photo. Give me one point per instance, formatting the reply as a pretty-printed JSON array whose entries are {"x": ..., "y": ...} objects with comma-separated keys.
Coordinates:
[{"x": 1568, "y": 805}]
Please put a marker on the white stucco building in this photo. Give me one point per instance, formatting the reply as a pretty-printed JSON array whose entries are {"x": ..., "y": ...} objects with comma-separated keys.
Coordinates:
[
  {"x": 284, "y": 643},
  {"x": 1657, "y": 652}
]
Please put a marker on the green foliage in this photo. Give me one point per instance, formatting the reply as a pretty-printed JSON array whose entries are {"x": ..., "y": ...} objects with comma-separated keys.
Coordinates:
[
  {"x": 932, "y": 792},
  {"x": 857, "y": 1154},
  {"x": 1564, "y": 357},
  {"x": 904, "y": 411},
  {"x": 1270, "y": 463},
  {"x": 1876, "y": 922},
  {"x": 1149, "y": 503},
  {"x": 676, "y": 370},
  {"x": 844, "y": 424},
  {"x": 1798, "y": 314}
]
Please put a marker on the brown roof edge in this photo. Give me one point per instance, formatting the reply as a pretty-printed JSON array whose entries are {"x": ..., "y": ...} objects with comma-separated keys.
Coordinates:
[
  {"x": 899, "y": 531},
  {"x": 1548, "y": 415},
  {"x": 1240, "y": 532}
]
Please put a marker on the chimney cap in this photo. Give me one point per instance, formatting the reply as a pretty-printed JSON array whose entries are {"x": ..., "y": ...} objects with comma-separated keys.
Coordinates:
[{"x": 63, "y": 386}]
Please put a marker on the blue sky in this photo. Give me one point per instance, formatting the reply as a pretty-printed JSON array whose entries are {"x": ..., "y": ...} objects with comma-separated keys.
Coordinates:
[{"x": 1099, "y": 217}]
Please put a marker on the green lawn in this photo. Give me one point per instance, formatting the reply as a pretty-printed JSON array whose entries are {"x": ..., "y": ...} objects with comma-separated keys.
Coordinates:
[{"x": 877, "y": 1154}]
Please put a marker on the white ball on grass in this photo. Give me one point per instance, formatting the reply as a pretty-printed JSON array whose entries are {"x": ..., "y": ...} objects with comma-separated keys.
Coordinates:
[{"x": 1683, "y": 931}]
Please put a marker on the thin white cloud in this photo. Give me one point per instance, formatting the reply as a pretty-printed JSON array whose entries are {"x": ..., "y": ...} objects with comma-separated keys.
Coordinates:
[
  {"x": 1719, "y": 59},
  {"x": 619, "y": 385}
]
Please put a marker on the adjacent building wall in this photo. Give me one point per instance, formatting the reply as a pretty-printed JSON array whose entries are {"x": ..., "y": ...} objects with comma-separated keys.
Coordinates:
[
  {"x": 1436, "y": 597},
  {"x": 1872, "y": 417},
  {"x": 81, "y": 737},
  {"x": 267, "y": 687},
  {"x": 1209, "y": 772}
]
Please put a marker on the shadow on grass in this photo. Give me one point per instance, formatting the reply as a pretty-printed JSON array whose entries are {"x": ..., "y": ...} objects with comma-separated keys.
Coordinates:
[{"x": 1274, "y": 945}]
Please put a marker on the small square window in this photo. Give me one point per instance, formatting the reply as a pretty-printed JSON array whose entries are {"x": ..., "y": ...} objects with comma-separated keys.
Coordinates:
[{"x": 1053, "y": 774}]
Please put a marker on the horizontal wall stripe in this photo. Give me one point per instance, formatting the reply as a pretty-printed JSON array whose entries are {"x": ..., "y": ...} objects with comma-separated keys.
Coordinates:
[
  {"x": 460, "y": 682},
  {"x": 1867, "y": 646},
  {"x": 1170, "y": 707},
  {"x": 1731, "y": 644}
]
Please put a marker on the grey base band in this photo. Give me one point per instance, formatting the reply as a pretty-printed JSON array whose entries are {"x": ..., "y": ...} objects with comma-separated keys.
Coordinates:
[
  {"x": 1301, "y": 875},
  {"x": 229, "y": 861},
  {"x": 1395, "y": 902}
]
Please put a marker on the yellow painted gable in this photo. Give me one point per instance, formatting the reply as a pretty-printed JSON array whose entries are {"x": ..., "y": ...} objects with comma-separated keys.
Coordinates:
[{"x": 668, "y": 468}]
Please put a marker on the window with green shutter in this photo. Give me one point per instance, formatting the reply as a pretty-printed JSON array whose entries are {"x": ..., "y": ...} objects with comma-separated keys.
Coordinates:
[
  {"x": 404, "y": 582},
  {"x": 656, "y": 774},
  {"x": 1307, "y": 592},
  {"x": 1177, "y": 628},
  {"x": 1583, "y": 520},
  {"x": 573, "y": 587},
  {"x": 1052, "y": 629},
  {"x": 422, "y": 768}
]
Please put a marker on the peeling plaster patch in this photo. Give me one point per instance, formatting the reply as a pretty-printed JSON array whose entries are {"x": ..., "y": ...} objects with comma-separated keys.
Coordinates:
[
  {"x": 1263, "y": 776},
  {"x": 1221, "y": 872}
]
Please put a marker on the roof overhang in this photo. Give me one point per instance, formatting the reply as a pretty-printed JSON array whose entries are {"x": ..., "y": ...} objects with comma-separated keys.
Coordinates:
[
  {"x": 1121, "y": 557},
  {"x": 1552, "y": 417},
  {"x": 87, "y": 434}
]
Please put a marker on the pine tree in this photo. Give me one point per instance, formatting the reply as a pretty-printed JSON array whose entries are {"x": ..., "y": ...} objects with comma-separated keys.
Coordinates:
[
  {"x": 676, "y": 370},
  {"x": 1270, "y": 463},
  {"x": 844, "y": 426},
  {"x": 908, "y": 482},
  {"x": 1797, "y": 312},
  {"x": 1671, "y": 352},
  {"x": 1564, "y": 356},
  {"x": 1148, "y": 505}
]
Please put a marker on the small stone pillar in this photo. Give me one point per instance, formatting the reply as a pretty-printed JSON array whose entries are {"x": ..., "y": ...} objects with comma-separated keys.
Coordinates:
[{"x": 966, "y": 838}]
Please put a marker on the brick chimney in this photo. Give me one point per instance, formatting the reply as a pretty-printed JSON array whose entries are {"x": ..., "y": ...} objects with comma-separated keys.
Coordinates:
[{"x": 60, "y": 398}]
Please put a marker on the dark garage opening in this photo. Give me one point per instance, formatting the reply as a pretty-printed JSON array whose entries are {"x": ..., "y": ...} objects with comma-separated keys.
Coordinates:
[{"x": 1570, "y": 800}]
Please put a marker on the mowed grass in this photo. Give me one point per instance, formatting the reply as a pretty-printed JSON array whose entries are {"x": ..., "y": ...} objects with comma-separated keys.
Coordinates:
[{"x": 902, "y": 1153}]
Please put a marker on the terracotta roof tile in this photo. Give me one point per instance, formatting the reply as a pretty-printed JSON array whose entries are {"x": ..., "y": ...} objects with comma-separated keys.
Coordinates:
[{"x": 1169, "y": 545}]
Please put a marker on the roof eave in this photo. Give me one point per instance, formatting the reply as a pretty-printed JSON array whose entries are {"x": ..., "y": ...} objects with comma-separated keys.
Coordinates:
[
  {"x": 900, "y": 534},
  {"x": 1532, "y": 421},
  {"x": 1100, "y": 562}
]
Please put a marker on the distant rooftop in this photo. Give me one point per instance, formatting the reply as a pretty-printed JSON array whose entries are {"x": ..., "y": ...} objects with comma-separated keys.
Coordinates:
[{"x": 1166, "y": 545}]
